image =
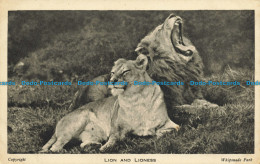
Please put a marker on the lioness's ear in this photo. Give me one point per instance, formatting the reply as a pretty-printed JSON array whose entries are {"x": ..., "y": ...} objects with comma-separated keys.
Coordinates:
[
  {"x": 141, "y": 61},
  {"x": 120, "y": 60}
]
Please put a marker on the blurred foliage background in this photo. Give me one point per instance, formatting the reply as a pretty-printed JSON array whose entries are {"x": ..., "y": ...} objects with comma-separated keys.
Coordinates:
[{"x": 79, "y": 45}]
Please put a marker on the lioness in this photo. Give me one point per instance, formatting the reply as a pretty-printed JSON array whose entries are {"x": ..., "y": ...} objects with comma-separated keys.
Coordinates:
[{"x": 139, "y": 109}]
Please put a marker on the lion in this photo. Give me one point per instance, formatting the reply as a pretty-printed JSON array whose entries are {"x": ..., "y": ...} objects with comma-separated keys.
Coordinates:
[
  {"x": 139, "y": 109},
  {"x": 172, "y": 57}
]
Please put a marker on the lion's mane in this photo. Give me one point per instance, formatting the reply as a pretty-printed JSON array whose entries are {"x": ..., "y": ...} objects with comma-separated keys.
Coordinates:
[{"x": 173, "y": 57}]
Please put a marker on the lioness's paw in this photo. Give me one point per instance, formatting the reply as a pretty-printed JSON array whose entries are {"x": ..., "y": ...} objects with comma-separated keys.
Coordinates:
[
  {"x": 177, "y": 128},
  {"x": 105, "y": 148},
  {"x": 83, "y": 144},
  {"x": 55, "y": 149}
]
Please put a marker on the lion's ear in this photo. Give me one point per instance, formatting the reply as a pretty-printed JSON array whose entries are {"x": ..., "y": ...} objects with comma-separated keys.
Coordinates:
[
  {"x": 138, "y": 49},
  {"x": 141, "y": 61}
]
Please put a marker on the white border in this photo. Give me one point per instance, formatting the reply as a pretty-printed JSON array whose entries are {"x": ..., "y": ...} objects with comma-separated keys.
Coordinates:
[{"x": 7, "y": 5}]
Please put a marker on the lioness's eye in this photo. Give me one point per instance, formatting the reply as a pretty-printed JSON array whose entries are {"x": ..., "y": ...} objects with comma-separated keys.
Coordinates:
[{"x": 125, "y": 72}]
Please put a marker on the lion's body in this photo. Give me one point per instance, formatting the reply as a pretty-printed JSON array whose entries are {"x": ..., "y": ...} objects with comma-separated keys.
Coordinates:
[
  {"x": 90, "y": 93},
  {"x": 137, "y": 109}
]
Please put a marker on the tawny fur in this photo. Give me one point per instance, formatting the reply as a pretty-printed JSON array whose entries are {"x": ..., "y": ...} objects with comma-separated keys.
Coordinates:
[
  {"x": 139, "y": 109},
  {"x": 90, "y": 93}
]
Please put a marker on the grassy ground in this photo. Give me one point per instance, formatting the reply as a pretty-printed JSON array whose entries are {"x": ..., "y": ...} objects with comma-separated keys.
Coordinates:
[{"x": 34, "y": 111}]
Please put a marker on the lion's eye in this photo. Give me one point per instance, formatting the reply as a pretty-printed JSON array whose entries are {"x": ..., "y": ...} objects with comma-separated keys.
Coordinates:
[{"x": 144, "y": 51}]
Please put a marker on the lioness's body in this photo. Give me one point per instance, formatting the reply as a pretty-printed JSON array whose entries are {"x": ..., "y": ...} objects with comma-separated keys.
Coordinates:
[{"x": 139, "y": 109}]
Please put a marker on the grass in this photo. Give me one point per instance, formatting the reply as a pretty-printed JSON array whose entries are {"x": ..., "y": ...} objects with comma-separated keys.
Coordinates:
[{"x": 34, "y": 111}]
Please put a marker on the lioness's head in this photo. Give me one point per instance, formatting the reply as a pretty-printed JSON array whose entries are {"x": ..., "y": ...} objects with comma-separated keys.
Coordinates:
[{"x": 128, "y": 71}]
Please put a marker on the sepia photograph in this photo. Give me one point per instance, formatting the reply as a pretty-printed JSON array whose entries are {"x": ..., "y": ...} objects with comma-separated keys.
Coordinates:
[
  {"x": 49, "y": 47},
  {"x": 134, "y": 86}
]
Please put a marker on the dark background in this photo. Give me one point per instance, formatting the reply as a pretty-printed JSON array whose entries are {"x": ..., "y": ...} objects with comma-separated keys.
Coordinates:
[{"x": 64, "y": 45}]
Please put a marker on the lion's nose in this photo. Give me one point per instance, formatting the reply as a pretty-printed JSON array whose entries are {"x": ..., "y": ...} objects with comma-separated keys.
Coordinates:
[{"x": 171, "y": 15}]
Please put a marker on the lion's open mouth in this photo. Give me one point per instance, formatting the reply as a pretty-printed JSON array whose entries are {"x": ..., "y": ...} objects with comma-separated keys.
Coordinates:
[
  {"x": 177, "y": 36},
  {"x": 177, "y": 31}
]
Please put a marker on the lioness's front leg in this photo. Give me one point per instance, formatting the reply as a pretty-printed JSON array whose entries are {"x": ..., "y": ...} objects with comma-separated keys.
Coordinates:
[
  {"x": 117, "y": 133},
  {"x": 110, "y": 143},
  {"x": 112, "y": 140}
]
